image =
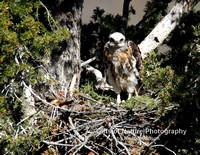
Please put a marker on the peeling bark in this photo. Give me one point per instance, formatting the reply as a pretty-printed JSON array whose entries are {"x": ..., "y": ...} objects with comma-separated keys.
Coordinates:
[{"x": 65, "y": 63}]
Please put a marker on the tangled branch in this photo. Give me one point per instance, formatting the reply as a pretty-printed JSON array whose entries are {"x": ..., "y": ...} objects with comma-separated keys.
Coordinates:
[{"x": 99, "y": 127}]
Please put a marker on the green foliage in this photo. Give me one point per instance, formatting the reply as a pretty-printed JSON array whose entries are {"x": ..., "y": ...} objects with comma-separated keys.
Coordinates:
[
  {"x": 150, "y": 102},
  {"x": 162, "y": 81},
  {"x": 170, "y": 84},
  {"x": 141, "y": 101},
  {"x": 20, "y": 139},
  {"x": 88, "y": 89},
  {"x": 189, "y": 88},
  {"x": 25, "y": 42},
  {"x": 23, "y": 37},
  {"x": 184, "y": 59},
  {"x": 174, "y": 80}
]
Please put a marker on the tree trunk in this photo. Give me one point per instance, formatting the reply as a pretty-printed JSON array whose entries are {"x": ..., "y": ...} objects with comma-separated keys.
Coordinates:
[
  {"x": 166, "y": 26},
  {"x": 125, "y": 15},
  {"x": 64, "y": 64}
]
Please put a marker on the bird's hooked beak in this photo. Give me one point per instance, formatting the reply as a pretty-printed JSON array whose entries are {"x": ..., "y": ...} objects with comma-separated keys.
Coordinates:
[{"x": 116, "y": 42}]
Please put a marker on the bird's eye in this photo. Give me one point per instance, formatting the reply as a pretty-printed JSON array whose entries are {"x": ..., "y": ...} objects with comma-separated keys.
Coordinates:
[
  {"x": 112, "y": 40},
  {"x": 121, "y": 40}
]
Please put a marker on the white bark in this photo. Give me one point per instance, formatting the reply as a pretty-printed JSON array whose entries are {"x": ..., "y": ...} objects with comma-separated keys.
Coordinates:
[
  {"x": 28, "y": 105},
  {"x": 101, "y": 82},
  {"x": 166, "y": 26}
]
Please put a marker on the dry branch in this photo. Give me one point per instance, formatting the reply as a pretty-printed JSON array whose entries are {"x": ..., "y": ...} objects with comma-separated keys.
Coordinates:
[
  {"x": 49, "y": 17},
  {"x": 56, "y": 143},
  {"x": 155, "y": 139},
  {"x": 99, "y": 128},
  {"x": 166, "y": 26},
  {"x": 101, "y": 82},
  {"x": 88, "y": 61},
  {"x": 119, "y": 142},
  {"x": 160, "y": 145},
  {"x": 74, "y": 129},
  {"x": 72, "y": 85}
]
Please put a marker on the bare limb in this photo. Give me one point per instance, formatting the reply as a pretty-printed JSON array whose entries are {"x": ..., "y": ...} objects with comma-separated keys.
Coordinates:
[
  {"x": 72, "y": 85},
  {"x": 56, "y": 143},
  {"x": 101, "y": 83},
  {"x": 166, "y": 26},
  {"x": 49, "y": 16},
  {"x": 88, "y": 61},
  {"x": 118, "y": 142},
  {"x": 160, "y": 135},
  {"x": 74, "y": 129},
  {"x": 160, "y": 145}
]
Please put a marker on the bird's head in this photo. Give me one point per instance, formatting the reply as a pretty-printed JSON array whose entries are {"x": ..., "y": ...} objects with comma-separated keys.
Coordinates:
[{"x": 116, "y": 39}]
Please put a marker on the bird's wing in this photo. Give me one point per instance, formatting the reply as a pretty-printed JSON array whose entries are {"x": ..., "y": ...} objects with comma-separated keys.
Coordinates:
[
  {"x": 136, "y": 53},
  {"x": 105, "y": 58}
]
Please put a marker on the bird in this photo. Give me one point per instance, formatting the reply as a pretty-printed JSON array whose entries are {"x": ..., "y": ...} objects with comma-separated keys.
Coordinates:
[{"x": 122, "y": 61}]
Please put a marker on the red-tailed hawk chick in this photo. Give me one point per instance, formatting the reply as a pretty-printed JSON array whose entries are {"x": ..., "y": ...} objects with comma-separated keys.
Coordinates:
[{"x": 122, "y": 60}]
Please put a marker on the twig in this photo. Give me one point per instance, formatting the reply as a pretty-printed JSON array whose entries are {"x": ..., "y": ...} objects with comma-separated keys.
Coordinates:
[
  {"x": 105, "y": 148},
  {"x": 23, "y": 129},
  {"x": 26, "y": 118},
  {"x": 72, "y": 85},
  {"x": 136, "y": 137},
  {"x": 160, "y": 145},
  {"x": 147, "y": 103},
  {"x": 74, "y": 130},
  {"x": 16, "y": 134},
  {"x": 88, "y": 61},
  {"x": 101, "y": 83},
  {"x": 56, "y": 143},
  {"x": 84, "y": 145},
  {"x": 49, "y": 16},
  {"x": 38, "y": 97},
  {"x": 118, "y": 142},
  {"x": 54, "y": 112},
  {"x": 101, "y": 111},
  {"x": 159, "y": 135},
  {"x": 45, "y": 102},
  {"x": 67, "y": 110},
  {"x": 70, "y": 110},
  {"x": 88, "y": 97}
]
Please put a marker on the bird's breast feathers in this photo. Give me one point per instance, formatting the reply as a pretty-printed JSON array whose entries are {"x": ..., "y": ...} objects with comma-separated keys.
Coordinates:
[
  {"x": 120, "y": 64},
  {"x": 120, "y": 67},
  {"x": 119, "y": 55}
]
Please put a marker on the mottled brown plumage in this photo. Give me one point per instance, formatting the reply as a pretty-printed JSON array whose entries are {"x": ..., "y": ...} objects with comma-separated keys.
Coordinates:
[{"x": 122, "y": 61}]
